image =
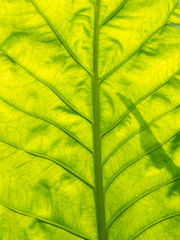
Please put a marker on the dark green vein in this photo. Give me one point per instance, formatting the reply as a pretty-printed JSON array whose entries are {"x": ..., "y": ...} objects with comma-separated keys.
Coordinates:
[
  {"x": 113, "y": 13},
  {"x": 60, "y": 38},
  {"x": 130, "y": 56},
  {"x": 137, "y": 102},
  {"x": 154, "y": 223},
  {"x": 135, "y": 160},
  {"x": 139, "y": 198},
  {"x": 48, "y": 121},
  {"x": 50, "y": 159},
  {"x": 138, "y": 131},
  {"x": 98, "y": 190},
  {"x": 135, "y": 51},
  {"x": 93, "y": 3},
  {"x": 48, "y": 86},
  {"x": 46, "y": 221}
]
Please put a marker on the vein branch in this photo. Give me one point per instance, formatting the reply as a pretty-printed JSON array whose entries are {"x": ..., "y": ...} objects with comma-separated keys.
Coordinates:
[
  {"x": 65, "y": 167},
  {"x": 113, "y": 13},
  {"x": 60, "y": 38},
  {"x": 137, "y": 132},
  {"x": 136, "y": 50},
  {"x": 48, "y": 86},
  {"x": 48, "y": 121},
  {"x": 154, "y": 223},
  {"x": 93, "y": 3},
  {"x": 130, "y": 56},
  {"x": 139, "y": 198},
  {"x": 138, "y": 102},
  {"x": 135, "y": 160},
  {"x": 46, "y": 221}
]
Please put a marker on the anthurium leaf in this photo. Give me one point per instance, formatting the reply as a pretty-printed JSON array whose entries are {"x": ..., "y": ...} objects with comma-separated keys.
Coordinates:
[{"x": 89, "y": 120}]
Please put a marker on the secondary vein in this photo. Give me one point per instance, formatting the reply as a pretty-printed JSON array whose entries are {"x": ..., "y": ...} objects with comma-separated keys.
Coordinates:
[
  {"x": 47, "y": 85},
  {"x": 71, "y": 171},
  {"x": 135, "y": 51},
  {"x": 137, "y": 132},
  {"x": 135, "y": 160},
  {"x": 138, "y": 102},
  {"x": 113, "y": 13},
  {"x": 140, "y": 197},
  {"x": 48, "y": 121},
  {"x": 46, "y": 221},
  {"x": 60, "y": 38},
  {"x": 154, "y": 223}
]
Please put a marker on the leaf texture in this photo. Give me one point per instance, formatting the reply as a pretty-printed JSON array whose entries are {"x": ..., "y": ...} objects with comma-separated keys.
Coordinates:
[{"x": 89, "y": 120}]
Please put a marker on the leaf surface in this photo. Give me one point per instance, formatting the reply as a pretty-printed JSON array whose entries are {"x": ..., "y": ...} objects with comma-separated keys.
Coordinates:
[{"x": 89, "y": 119}]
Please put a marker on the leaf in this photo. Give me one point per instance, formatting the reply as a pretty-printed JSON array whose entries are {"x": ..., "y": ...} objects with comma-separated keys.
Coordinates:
[{"x": 89, "y": 129}]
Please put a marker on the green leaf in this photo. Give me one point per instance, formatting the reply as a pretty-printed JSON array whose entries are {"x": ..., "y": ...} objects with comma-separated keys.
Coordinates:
[{"x": 89, "y": 120}]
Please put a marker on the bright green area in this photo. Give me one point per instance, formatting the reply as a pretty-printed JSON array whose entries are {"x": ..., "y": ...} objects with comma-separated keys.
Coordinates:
[{"x": 89, "y": 120}]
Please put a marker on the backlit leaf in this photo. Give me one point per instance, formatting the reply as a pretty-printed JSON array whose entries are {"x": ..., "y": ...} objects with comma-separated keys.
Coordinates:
[{"x": 89, "y": 119}]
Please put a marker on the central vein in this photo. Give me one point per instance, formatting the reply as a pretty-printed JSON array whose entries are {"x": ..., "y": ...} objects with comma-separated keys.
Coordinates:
[{"x": 98, "y": 192}]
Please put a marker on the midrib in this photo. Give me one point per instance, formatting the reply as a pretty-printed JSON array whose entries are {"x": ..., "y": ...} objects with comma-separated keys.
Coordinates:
[{"x": 98, "y": 191}]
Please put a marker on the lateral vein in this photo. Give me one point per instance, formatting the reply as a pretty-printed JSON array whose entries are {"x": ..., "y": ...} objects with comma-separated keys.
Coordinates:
[
  {"x": 60, "y": 38},
  {"x": 113, "y": 13},
  {"x": 93, "y": 3},
  {"x": 139, "y": 198},
  {"x": 46, "y": 221},
  {"x": 48, "y": 86},
  {"x": 134, "y": 52},
  {"x": 135, "y": 160},
  {"x": 137, "y": 132},
  {"x": 138, "y": 102},
  {"x": 154, "y": 223},
  {"x": 48, "y": 121},
  {"x": 50, "y": 159}
]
